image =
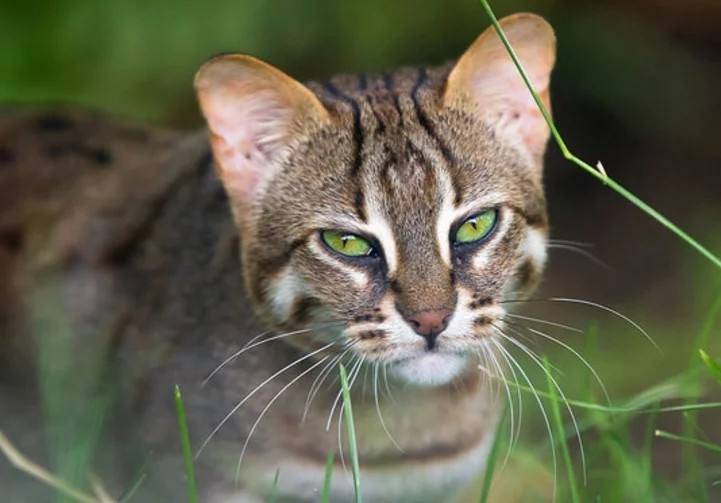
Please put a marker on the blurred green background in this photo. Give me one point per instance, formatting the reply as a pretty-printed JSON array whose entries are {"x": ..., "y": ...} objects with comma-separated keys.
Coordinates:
[{"x": 636, "y": 86}]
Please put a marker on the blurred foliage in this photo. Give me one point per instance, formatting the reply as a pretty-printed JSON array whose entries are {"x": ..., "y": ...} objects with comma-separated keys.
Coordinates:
[
  {"x": 137, "y": 58},
  {"x": 626, "y": 86}
]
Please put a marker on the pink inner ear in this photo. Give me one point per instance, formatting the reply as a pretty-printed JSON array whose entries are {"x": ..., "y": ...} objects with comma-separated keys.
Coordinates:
[
  {"x": 236, "y": 168},
  {"x": 506, "y": 102},
  {"x": 249, "y": 128}
]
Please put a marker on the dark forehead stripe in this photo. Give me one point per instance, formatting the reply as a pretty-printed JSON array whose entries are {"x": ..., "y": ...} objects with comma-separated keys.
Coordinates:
[
  {"x": 430, "y": 129},
  {"x": 359, "y": 200},
  {"x": 357, "y": 129},
  {"x": 423, "y": 118},
  {"x": 362, "y": 82},
  {"x": 380, "y": 124},
  {"x": 389, "y": 84}
]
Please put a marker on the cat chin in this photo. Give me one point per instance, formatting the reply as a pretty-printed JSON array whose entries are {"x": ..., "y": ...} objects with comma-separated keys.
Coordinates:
[{"x": 430, "y": 369}]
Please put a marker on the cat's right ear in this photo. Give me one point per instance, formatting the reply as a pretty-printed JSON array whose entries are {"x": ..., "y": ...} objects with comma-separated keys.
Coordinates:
[
  {"x": 254, "y": 113},
  {"x": 486, "y": 79}
]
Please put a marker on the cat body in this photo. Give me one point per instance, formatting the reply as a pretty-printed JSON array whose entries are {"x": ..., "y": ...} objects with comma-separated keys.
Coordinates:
[{"x": 323, "y": 224}]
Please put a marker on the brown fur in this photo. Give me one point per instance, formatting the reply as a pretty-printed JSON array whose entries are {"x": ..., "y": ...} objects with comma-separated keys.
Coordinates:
[{"x": 134, "y": 236}]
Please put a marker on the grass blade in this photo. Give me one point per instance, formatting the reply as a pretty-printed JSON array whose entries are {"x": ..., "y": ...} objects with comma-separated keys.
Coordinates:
[
  {"x": 689, "y": 454},
  {"x": 560, "y": 428},
  {"x": 274, "y": 489},
  {"x": 688, "y": 440},
  {"x": 22, "y": 463},
  {"x": 598, "y": 173},
  {"x": 493, "y": 458},
  {"x": 185, "y": 445},
  {"x": 712, "y": 365},
  {"x": 647, "y": 453},
  {"x": 329, "y": 464},
  {"x": 350, "y": 426}
]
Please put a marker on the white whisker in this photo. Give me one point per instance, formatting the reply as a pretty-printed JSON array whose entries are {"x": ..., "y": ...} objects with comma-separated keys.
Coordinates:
[
  {"x": 251, "y": 344},
  {"x": 378, "y": 408},
  {"x": 538, "y": 362},
  {"x": 580, "y": 251},
  {"x": 577, "y": 355},
  {"x": 540, "y": 406},
  {"x": 511, "y": 407},
  {"x": 518, "y": 397},
  {"x": 386, "y": 384},
  {"x": 322, "y": 376},
  {"x": 609, "y": 310},
  {"x": 579, "y": 244},
  {"x": 266, "y": 408},
  {"x": 591, "y": 304},
  {"x": 351, "y": 380},
  {"x": 253, "y": 392},
  {"x": 545, "y": 322},
  {"x": 355, "y": 365}
]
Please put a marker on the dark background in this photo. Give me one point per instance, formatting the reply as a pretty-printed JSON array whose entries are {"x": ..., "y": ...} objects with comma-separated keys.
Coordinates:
[{"x": 636, "y": 86}]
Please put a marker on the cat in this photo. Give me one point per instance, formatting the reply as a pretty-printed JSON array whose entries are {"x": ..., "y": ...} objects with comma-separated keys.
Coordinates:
[{"x": 375, "y": 221}]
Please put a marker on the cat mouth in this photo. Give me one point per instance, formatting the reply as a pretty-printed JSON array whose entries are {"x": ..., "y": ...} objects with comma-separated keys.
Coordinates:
[{"x": 430, "y": 367}]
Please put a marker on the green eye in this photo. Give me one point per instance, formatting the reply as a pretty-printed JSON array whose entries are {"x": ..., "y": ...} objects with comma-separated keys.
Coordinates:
[
  {"x": 476, "y": 227},
  {"x": 347, "y": 244}
]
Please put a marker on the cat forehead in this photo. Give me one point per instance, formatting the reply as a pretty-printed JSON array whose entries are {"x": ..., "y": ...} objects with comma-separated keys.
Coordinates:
[{"x": 392, "y": 141}]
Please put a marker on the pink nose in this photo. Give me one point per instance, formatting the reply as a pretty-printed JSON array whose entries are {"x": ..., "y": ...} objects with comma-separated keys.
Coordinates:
[{"x": 430, "y": 323}]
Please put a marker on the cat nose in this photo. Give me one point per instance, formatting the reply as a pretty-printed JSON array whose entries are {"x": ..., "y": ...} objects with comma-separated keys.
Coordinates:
[{"x": 430, "y": 323}]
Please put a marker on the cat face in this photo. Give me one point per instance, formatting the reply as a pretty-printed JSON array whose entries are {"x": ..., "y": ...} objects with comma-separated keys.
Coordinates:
[{"x": 388, "y": 213}]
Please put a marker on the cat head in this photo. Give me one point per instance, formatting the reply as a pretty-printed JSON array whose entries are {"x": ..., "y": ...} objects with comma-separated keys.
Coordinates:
[{"x": 392, "y": 213}]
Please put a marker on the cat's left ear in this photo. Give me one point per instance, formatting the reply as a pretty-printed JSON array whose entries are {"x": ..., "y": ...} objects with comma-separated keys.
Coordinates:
[
  {"x": 255, "y": 113},
  {"x": 486, "y": 79}
]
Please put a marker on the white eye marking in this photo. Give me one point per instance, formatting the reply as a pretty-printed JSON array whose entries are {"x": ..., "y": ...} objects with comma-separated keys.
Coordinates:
[
  {"x": 284, "y": 290},
  {"x": 534, "y": 246},
  {"x": 379, "y": 227},
  {"x": 359, "y": 277},
  {"x": 445, "y": 216}
]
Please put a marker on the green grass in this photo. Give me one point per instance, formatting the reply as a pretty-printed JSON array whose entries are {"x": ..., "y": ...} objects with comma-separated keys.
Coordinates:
[
  {"x": 492, "y": 461},
  {"x": 560, "y": 433},
  {"x": 625, "y": 440},
  {"x": 329, "y": 464},
  {"x": 185, "y": 446},
  {"x": 689, "y": 440},
  {"x": 274, "y": 489},
  {"x": 713, "y": 366},
  {"x": 350, "y": 426},
  {"x": 598, "y": 172}
]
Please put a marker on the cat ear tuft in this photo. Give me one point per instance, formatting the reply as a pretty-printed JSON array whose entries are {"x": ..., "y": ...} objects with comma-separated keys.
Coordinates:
[
  {"x": 254, "y": 113},
  {"x": 486, "y": 77}
]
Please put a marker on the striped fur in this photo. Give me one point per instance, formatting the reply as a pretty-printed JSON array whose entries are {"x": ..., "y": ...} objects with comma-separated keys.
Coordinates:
[
  {"x": 140, "y": 235},
  {"x": 401, "y": 158}
]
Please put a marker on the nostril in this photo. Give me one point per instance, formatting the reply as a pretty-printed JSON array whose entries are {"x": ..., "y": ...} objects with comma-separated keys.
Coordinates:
[{"x": 429, "y": 323}]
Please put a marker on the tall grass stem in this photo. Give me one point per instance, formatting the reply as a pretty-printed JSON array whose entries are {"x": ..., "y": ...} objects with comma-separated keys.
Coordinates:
[
  {"x": 350, "y": 426},
  {"x": 599, "y": 172},
  {"x": 559, "y": 427},
  {"x": 185, "y": 445}
]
